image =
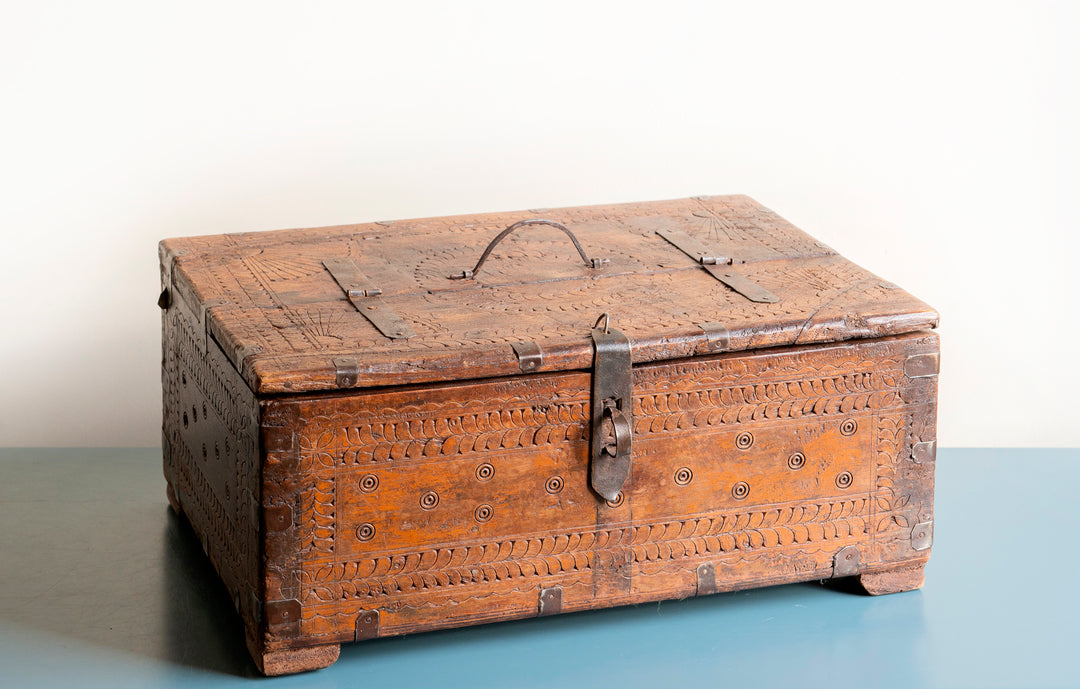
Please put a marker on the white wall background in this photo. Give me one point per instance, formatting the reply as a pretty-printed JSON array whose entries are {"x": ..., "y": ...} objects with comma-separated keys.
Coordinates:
[{"x": 934, "y": 143}]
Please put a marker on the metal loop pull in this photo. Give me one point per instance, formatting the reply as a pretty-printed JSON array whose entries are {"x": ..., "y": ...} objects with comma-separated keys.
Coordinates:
[
  {"x": 589, "y": 262},
  {"x": 606, "y": 318},
  {"x": 621, "y": 430}
]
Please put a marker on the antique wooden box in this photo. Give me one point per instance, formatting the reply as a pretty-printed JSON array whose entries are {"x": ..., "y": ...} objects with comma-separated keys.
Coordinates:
[{"x": 394, "y": 427}]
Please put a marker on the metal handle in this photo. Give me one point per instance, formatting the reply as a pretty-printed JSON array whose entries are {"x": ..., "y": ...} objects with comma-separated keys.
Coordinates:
[{"x": 589, "y": 262}]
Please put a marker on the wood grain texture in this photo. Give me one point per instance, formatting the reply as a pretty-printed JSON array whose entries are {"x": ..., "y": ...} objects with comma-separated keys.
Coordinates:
[
  {"x": 896, "y": 580},
  {"x": 432, "y": 484},
  {"x": 293, "y": 660}
]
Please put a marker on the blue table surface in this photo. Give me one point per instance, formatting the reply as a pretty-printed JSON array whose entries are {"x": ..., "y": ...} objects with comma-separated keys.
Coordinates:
[{"x": 103, "y": 586}]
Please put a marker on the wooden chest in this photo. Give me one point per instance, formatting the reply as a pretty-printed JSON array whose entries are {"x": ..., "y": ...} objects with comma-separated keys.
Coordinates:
[{"x": 375, "y": 431}]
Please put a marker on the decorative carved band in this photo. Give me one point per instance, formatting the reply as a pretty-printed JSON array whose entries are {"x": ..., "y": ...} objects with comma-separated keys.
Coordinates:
[
  {"x": 317, "y": 501},
  {"x": 451, "y": 429},
  {"x": 213, "y": 521},
  {"x": 556, "y": 554},
  {"x": 695, "y": 409},
  {"x": 207, "y": 375}
]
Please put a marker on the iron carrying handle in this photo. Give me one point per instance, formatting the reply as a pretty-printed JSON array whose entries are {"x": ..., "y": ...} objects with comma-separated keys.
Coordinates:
[{"x": 589, "y": 262}]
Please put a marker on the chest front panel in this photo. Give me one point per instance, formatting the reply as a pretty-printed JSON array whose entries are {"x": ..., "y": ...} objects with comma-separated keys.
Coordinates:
[{"x": 747, "y": 469}]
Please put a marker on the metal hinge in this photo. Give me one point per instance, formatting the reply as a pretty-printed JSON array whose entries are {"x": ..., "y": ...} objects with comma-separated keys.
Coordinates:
[
  {"x": 713, "y": 263},
  {"x": 611, "y": 439},
  {"x": 529, "y": 355},
  {"x": 366, "y": 298},
  {"x": 346, "y": 372},
  {"x": 717, "y": 337}
]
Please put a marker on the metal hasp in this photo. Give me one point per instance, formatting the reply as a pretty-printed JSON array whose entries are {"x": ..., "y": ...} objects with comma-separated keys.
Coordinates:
[
  {"x": 714, "y": 264},
  {"x": 365, "y": 297},
  {"x": 612, "y": 411}
]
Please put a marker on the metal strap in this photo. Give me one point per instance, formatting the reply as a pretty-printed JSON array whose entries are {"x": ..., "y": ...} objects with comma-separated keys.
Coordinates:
[
  {"x": 364, "y": 296},
  {"x": 715, "y": 263}
]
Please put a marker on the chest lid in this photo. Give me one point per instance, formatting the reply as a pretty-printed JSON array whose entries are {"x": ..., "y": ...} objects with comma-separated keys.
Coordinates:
[{"x": 416, "y": 301}]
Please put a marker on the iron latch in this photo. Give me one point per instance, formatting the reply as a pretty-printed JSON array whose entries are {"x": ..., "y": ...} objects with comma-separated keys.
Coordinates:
[{"x": 611, "y": 439}]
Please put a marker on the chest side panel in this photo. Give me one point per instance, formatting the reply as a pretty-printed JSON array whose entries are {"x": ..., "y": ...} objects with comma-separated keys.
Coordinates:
[
  {"x": 466, "y": 503},
  {"x": 211, "y": 454}
]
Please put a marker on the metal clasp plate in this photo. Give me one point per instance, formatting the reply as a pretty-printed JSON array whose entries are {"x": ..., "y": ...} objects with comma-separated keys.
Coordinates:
[{"x": 611, "y": 439}]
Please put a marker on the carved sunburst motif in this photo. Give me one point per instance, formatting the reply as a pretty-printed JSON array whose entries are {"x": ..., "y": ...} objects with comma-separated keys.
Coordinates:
[
  {"x": 323, "y": 325},
  {"x": 283, "y": 268},
  {"x": 716, "y": 227}
]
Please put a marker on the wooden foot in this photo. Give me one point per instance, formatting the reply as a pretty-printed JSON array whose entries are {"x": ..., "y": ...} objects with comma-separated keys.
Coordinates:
[
  {"x": 291, "y": 661},
  {"x": 173, "y": 502},
  {"x": 896, "y": 580}
]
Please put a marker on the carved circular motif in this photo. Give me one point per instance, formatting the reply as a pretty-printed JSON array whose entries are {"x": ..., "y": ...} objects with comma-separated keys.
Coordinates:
[
  {"x": 485, "y": 472},
  {"x": 684, "y": 476},
  {"x": 744, "y": 440},
  {"x": 429, "y": 500},
  {"x": 369, "y": 482},
  {"x": 483, "y": 513},
  {"x": 740, "y": 490},
  {"x": 844, "y": 479},
  {"x": 618, "y": 501},
  {"x": 366, "y": 531},
  {"x": 796, "y": 461},
  {"x": 554, "y": 485},
  {"x": 848, "y": 427}
]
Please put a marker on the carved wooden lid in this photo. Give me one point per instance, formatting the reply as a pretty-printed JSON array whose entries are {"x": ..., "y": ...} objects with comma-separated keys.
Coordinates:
[{"x": 276, "y": 303}]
